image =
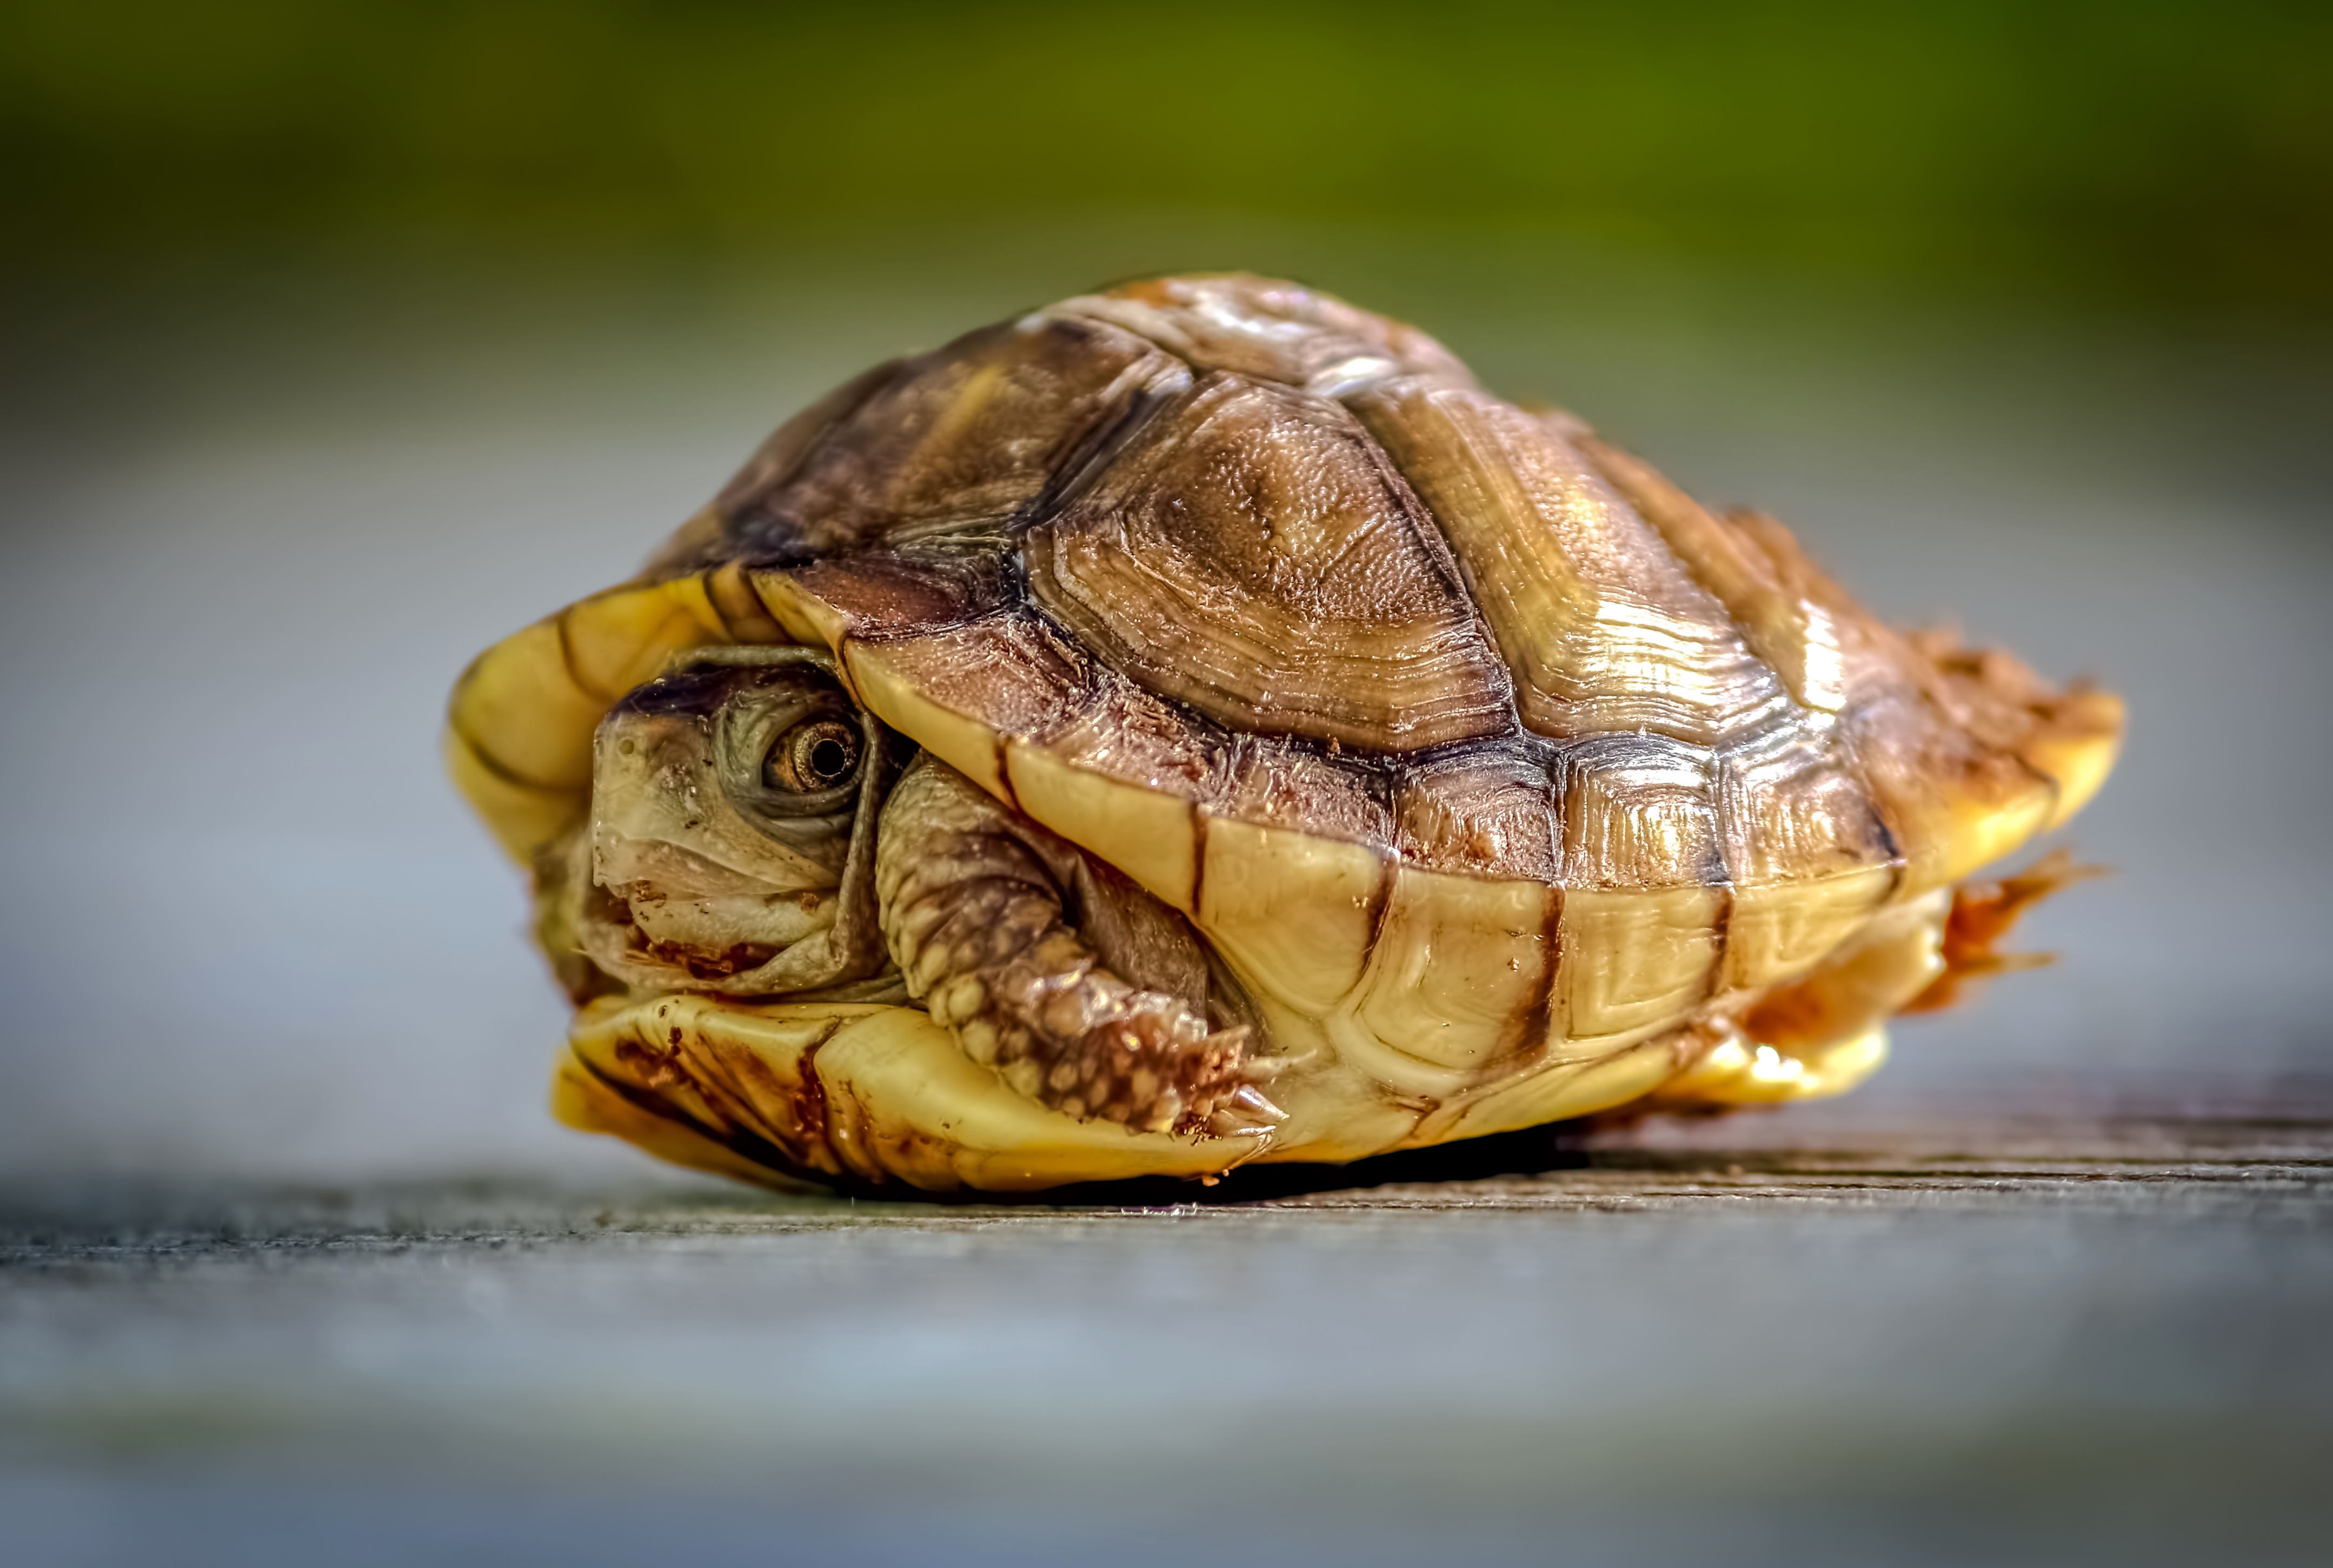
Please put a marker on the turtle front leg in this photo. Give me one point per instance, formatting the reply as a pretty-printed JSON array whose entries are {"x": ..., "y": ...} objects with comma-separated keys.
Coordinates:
[{"x": 989, "y": 916}]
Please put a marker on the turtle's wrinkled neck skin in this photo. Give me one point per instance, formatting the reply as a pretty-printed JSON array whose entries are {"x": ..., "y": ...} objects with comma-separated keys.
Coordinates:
[{"x": 1197, "y": 723}]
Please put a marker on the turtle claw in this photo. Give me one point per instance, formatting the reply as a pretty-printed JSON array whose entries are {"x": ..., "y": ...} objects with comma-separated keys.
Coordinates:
[{"x": 1247, "y": 1114}]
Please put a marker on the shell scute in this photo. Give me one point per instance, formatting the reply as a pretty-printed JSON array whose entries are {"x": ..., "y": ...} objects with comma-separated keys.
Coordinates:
[
  {"x": 1249, "y": 551},
  {"x": 894, "y": 592},
  {"x": 1294, "y": 912},
  {"x": 1281, "y": 784},
  {"x": 1601, "y": 625},
  {"x": 1635, "y": 961},
  {"x": 1638, "y": 811},
  {"x": 1459, "y": 976},
  {"x": 955, "y": 442},
  {"x": 1483, "y": 811},
  {"x": 1791, "y": 804},
  {"x": 1793, "y": 637}
]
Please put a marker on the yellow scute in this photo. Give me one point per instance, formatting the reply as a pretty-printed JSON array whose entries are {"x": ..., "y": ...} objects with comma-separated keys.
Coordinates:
[
  {"x": 1146, "y": 833},
  {"x": 1635, "y": 959},
  {"x": 1292, "y": 912},
  {"x": 1782, "y": 929},
  {"x": 1454, "y": 979}
]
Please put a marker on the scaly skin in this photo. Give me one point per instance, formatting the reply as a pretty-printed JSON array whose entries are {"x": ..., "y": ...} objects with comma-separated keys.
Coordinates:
[{"x": 972, "y": 909}]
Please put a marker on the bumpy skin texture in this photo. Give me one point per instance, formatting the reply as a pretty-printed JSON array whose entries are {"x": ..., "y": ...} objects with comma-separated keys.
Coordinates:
[
  {"x": 972, "y": 906},
  {"x": 1281, "y": 703}
]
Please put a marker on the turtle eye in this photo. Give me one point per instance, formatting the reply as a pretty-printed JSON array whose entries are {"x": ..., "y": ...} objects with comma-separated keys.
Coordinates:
[{"x": 815, "y": 755}]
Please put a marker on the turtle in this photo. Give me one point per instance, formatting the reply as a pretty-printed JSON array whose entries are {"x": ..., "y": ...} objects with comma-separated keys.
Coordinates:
[{"x": 1195, "y": 724}]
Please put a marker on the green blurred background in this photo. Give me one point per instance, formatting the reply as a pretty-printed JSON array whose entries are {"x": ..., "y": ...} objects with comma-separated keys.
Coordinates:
[{"x": 2163, "y": 153}]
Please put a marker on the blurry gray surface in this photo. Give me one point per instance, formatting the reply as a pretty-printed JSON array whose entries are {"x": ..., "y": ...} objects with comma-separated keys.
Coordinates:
[
  {"x": 2031, "y": 1341},
  {"x": 251, "y": 939}
]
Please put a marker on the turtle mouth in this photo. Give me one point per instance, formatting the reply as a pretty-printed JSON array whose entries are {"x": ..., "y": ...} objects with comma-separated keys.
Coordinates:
[{"x": 660, "y": 914}]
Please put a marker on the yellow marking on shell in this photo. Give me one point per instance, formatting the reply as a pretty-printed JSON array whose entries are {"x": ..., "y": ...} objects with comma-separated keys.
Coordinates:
[
  {"x": 2080, "y": 751},
  {"x": 886, "y": 1095},
  {"x": 1635, "y": 959},
  {"x": 965, "y": 745},
  {"x": 524, "y": 714},
  {"x": 1784, "y": 929},
  {"x": 1456, "y": 969},
  {"x": 1553, "y": 1093},
  {"x": 731, "y": 589},
  {"x": 1292, "y": 912},
  {"x": 614, "y": 641},
  {"x": 1975, "y": 835},
  {"x": 521, "y": 817},
  {"x": 807, "y": 619},
  {"x": 1144, "y": 832}
]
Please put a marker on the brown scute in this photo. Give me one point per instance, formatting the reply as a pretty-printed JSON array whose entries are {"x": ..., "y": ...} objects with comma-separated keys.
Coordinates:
[
  {"x": 958, "y": 442},
  {"x": 1278, "y": 783},
  {"x": 1007, "y": 671},
  {"x": 1871, "y": 660},
  {"x": 1485, "y": 809},
  {"x": 1129, "y": 735},
  {"x": 1604, "y": 627},
  {"x": 1639, "y": 812},
  {"x": 1995, "y": 696},
  {"x": 1930, "y": 776},
  {"x": 896, "y": 592},
  {"x": 1250, "y": 553},
  {"x": 1790, "y": 806},
  {"x": 1270, "y": 330}
]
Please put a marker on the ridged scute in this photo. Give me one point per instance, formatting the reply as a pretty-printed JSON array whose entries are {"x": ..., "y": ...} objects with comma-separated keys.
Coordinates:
[
  {"x": 962, "y": 440},
  {"x": 1250, "y": 552}
]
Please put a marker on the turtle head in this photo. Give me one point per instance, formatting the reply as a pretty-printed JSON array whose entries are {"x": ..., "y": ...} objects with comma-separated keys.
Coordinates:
[{"x": 733, "y": 804}]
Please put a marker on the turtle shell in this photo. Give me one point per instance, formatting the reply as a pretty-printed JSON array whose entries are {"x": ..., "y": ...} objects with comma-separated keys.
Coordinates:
[{"x": 1476, "y": 748}]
